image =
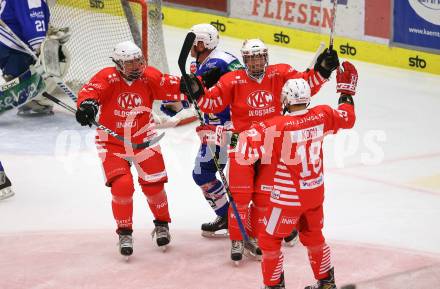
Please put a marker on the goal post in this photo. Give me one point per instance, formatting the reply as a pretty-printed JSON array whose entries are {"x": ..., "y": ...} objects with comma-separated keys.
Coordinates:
[{"x": 96, "y": 26}]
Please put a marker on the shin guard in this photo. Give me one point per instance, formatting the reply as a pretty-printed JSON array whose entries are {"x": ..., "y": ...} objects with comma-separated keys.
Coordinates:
[
  {"x": 122, "y": 189},
  {"x": 157, "y": 200},
  {"x": 319, "y": 257}
]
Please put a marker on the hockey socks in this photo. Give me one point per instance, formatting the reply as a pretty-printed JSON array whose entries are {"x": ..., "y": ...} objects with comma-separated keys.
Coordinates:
[
  {"x": 320, "y": 261},
  {"x": 157, "y": 200},
  {"x": 122, "y": 202},
  {"x": 272, "y": 261},
  {"x": 272, "y": 267},
  {"x": 214, "y": 193}
]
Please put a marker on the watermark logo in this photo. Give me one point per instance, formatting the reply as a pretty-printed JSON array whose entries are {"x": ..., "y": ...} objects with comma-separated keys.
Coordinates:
[
  {"x": 427, "y": 9},
  {"x": 260, "y": 99}
]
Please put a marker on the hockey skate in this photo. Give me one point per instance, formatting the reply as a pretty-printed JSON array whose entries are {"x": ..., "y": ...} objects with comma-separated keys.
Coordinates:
[
  {"x": 161, "y": 234},
  {"x": 292, "y": 239},
  {"x": 251, "y": 249},
  {"x": 280, "y": 285},
  {"x": 5, "y": 187},
  {"x": 125, "y": 243},
  {"x": 35, "y": 108},
  {"x": 237, "y": 250},
  {"x": 217, "y": 228},
  {"x": 326, "y": 283}
]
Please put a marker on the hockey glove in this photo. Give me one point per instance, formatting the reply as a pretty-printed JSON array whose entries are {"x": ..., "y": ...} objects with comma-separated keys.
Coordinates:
[
  {"x": 60, "y": 34},
  {"x": 234, "y": 141},
  {"x": 346, "y": 79},
  {"x": 196, "y": 88},
  {"x": 211, "y": 77},
  {"x": 326, "y": 62},
  {"x": 88, "y": 109}
]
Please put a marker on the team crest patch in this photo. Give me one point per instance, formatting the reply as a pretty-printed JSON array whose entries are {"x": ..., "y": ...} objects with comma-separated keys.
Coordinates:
[
  {"x": 129, "y": 100},
  {"x": 260, "y": 99}
]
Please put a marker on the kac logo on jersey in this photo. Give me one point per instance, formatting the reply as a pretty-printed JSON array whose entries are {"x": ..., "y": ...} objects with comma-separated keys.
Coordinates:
[
  {"x": 129, "y": 100},
  {"x": 260, "y": 99},
  {"x": 427, "y": 9}
]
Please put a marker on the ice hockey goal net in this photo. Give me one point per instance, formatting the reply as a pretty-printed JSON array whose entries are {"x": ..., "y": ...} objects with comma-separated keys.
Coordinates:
[{"x": 96, "y": 26}]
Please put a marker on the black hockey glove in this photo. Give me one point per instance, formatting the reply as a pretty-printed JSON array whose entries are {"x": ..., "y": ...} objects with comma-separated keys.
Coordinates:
[
  {"x": 88, "y": 109},
  {"x": 211, "y": 77},
  {"x": 327, "y": 61},
  {"x": 196, "y": 87}
]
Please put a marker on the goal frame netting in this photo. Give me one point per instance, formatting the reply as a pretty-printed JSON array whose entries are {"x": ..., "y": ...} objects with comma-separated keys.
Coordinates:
[{"x": 96, "y": 26}]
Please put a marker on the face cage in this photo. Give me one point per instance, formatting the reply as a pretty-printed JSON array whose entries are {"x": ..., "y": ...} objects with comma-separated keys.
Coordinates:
[
  {"x": 256, "y": 64},
  {"x": 131, "y": 69}
]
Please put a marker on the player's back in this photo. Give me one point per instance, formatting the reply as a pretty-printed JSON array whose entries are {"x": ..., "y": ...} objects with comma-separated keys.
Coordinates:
[
  {"x": 29, "y": 21},
  {"x": 295, "y": 171}
]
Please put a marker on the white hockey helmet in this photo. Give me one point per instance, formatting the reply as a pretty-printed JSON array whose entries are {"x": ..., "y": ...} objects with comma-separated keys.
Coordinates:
[
  {"x": 295, "y": 91},
  {"x": 255, "y": 57},
  {"x": 207, "y": 34},
  {"x": 129, "y": 60}
]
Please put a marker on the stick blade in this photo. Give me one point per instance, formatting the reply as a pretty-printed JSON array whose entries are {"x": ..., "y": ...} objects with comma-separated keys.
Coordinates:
[
  {"x": 149, "y": 143},
  {"x": 186, "y": 48}
]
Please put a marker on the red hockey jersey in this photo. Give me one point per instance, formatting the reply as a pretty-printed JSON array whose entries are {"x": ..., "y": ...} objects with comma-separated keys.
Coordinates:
[
  {"x": 126, "y": 107},
  {"x": 253, "y": 101},
  {"x": 290, "y": 149}
]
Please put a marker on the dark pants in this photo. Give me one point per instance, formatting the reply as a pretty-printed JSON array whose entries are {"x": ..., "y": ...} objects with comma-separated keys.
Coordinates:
[{"x": 14, "y": 62}]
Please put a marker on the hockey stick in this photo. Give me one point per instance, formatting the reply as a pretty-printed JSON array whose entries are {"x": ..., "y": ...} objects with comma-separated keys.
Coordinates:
[
  {"x": 186, "y": 48},
  {"x": 317, "y": 53},
  {"x": 104, "y": 128},
  {"x": 332, "y": 28},
  {"x": 59, "y": 82}
]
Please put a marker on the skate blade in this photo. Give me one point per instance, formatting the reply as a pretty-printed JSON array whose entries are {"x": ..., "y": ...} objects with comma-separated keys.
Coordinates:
[
  {"x": 164, "y": 248},
  {"x": 217, "y": 234},
  {"x": 249, "y": 254},
  {"x": 291, "y": 243},
  {"x": 6, "y": 193},
  {"x": 236, "y": 263},
  {"x": 34, "y": 114},
  {"x": 126, "y": 258}
]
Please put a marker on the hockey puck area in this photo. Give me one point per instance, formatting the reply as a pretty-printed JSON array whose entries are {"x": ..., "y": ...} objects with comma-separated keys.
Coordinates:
[{"x": 85, "y": 259}]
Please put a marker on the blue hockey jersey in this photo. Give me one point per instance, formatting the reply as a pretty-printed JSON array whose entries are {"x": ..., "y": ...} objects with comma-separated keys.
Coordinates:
[
  {"x": 226, "y": 62},
  {"x": 28, "y": 19}
]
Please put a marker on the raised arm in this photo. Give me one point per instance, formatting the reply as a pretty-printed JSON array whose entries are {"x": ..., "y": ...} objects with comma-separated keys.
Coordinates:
[
  {"x": 344, "y": 117},
  {"x": 163, "y": 86},
  {"x": 216, "y": 98},
  {"x": 325, "y": 64}
]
